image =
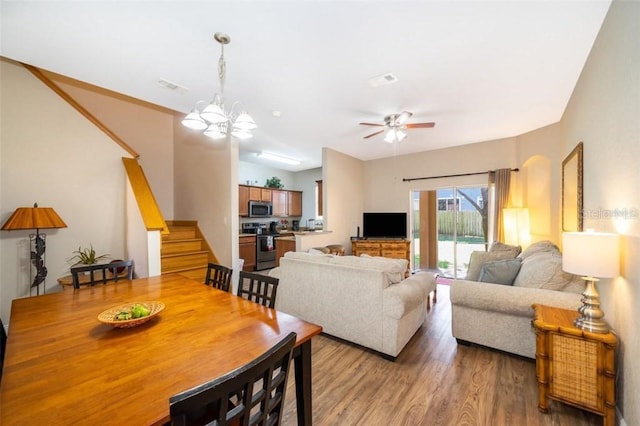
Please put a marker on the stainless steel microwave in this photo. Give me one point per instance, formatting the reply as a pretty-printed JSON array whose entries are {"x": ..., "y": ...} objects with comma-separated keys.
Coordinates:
[{"x": 260, "y": 209}]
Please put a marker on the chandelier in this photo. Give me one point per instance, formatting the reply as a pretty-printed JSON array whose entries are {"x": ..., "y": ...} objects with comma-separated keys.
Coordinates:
[{"x": 212, "y": 117}]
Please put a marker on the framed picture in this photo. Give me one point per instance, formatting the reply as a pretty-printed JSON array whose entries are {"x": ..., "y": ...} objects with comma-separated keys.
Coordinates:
[{"x": 572, "y": 190}]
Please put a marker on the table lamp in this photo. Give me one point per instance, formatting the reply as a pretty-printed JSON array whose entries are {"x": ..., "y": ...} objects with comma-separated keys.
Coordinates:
[
  {"x": 591, "y": 254},
  {"x": 35, "y": 218}
]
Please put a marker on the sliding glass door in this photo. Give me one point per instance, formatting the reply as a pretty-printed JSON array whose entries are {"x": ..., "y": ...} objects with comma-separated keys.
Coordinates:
[{"x": 449, "y": 224}]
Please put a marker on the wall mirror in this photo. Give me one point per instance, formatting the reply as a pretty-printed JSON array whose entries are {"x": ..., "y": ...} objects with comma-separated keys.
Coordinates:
[{"x": 572, "y": 190}]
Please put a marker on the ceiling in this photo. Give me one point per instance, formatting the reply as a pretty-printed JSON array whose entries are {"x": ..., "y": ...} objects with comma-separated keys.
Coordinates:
[{"x": 481, "y": 70}]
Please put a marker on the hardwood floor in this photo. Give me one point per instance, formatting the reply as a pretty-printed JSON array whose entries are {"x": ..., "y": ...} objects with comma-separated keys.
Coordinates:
[{"x": 433, "y": 382}]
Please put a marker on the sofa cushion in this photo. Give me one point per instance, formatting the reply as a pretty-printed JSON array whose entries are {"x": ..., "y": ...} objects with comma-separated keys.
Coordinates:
[
  {"x": 479, "y": 258},
  {"x": 394, "y": 269},
  {"x": 307, "y": 257},
  {"x": 500, "y": 271},
  {"x": 498, "y": 246},
  {"x": 539, "y": 247}
]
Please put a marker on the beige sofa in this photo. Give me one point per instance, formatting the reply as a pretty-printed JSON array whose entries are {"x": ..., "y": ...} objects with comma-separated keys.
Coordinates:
[
  {"x": 366, "y": 301},
  {"x": 499, "y": 315}
]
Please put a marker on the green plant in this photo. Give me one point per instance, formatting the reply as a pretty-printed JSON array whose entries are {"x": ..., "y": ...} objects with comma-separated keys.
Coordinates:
[
  {"x": 444, "y": 264},
  {"x": 86, "y": 256},
  {"x": 274, "y": 182}
]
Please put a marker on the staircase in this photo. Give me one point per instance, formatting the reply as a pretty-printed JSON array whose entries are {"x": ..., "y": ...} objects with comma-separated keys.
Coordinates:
[{"x": 185, "y": 251}]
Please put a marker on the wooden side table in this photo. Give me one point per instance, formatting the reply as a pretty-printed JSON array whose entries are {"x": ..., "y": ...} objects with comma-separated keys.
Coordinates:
[{"x": 574, "y": 366}]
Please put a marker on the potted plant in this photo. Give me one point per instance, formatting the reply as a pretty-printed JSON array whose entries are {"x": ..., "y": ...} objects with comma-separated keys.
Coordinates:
[
  {"x": 274, "y": 182},
  {"x": 86, "y": 256}
]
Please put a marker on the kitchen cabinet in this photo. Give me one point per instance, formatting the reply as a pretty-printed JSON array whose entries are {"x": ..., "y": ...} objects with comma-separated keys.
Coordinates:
[
  {"x": 257, "y": 193},
  {"x": 283, "y": 245},
  {"x": 279, "y": 200},
  {"x": 243, "y": 200},
  {"x": 294, "y": 203},
  {"x": 247, "y": 251}
]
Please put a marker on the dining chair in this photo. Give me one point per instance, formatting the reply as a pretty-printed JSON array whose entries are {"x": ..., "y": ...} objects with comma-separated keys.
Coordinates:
[
  {"x": 258, "y": 288},
  {"x": 3, "y": 345},
  {"x": 218, "y": 276},
  {"x": 101, "y": 273},
  {"x": 261, "y": 385}
]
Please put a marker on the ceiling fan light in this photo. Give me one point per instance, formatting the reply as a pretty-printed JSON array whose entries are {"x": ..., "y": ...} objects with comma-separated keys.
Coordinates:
[
  {"x": 194, "y": 121},
  {"x": 244, "y": 122},
  {"x": 390, "y": 136},
  {"x": 400, "y": 135},
  {"x": 214, "y": 113}
]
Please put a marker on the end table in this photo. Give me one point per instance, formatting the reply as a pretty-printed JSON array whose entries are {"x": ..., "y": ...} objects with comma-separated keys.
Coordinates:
[{"x": 574, "y": 366}]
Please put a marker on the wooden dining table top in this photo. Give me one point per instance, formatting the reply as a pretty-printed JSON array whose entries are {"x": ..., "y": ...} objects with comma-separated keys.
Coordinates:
[{"x": 63, "y": 366}]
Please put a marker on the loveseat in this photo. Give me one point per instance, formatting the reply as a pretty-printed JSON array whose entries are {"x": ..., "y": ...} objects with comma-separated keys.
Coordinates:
[
  {"x": 492, "y": 306},
  {"x": 364, "y": 300}
]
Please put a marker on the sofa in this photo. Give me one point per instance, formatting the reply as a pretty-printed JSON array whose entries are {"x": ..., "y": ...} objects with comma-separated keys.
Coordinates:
[
  {"x": 365, "y": 300},
  {"x": 492, "y": 306}
]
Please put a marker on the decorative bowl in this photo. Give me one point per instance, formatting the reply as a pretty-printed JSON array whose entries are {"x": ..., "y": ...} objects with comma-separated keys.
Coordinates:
[{"x": 109, "y": 316}]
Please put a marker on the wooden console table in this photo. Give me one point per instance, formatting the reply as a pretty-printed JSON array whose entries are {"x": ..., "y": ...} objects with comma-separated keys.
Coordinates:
[
  {"x": 574, "y": 366},
  {"x": 396, "y": 249}
]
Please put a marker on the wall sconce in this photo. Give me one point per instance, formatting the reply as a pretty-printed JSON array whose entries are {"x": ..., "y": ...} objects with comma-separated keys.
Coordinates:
[
  {"x": 516, "y": 226},
  {"x": 592, "y": 254},
  {"x": 35, "y": 218}
]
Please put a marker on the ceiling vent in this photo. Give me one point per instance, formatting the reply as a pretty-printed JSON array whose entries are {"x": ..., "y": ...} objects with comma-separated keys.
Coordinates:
[
  {"x": 382, "y": 80},
  {"x": 171, "y": 86}
]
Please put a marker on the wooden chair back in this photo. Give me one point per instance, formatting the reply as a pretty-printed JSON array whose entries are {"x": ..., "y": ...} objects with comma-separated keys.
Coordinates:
[
  {"x": 260, "y": 384},
  {"x": 258, "y": 288},
  {"x": 101, "y": 273},
  {"x": 218, "y": 276},
  {"x": 3, "y": 345}
]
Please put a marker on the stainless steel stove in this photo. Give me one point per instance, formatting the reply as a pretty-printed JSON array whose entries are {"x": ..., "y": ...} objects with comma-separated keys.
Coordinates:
[{"x": 265, "y": 244}]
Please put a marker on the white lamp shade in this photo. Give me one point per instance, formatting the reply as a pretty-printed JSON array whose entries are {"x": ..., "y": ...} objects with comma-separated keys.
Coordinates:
[
  {"x": 214, "y": 113},
  {"x": 244, "y": 122},
  {"x": 516, "y": 226},
  {"x": 241, "y": 134},
  {"x": 193, "y": 121},
  {"x": 215, "y": 132},
  {"x": 593, "y": 254}
]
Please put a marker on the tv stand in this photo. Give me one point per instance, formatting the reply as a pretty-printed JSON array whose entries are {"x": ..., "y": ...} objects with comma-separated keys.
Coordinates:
[{"x": 393, "y": 248}]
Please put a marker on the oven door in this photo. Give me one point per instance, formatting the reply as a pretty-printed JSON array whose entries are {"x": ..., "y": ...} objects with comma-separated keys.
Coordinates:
[{"x": 265, "y": 252}]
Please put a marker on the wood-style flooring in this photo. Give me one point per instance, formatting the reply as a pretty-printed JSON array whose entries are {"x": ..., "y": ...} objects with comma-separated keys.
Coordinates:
[{"x": 433, "y": 382}]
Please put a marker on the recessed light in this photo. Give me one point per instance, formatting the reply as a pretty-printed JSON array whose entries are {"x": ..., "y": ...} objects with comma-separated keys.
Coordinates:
[{"x": 277, "y": 113}]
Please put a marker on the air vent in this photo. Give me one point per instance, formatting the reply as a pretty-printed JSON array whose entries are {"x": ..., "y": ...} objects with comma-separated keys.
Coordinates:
[
  {"x": 171, "y": 86},
  {"x": 382, "y": 80}
]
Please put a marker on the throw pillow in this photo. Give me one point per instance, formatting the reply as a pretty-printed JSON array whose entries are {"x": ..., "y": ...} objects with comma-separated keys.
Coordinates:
[
  {"x": 498, "y": 246},
  {"x": 544, "y": 246},
  {"x": 500, "y": 271},
  {"x": 479, "y": 258}
]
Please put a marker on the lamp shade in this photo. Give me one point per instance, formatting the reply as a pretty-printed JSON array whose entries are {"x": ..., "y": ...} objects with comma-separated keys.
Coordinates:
[
  {"x": 594, "y": 254},
  {"x": 34, "y": 218}
]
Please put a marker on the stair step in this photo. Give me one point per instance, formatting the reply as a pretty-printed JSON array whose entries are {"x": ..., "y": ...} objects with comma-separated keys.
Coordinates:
[
  {"x": 174, "y": 262},
  {"x": 180, "y": 232},
  {"x": 181, "y": 246}
]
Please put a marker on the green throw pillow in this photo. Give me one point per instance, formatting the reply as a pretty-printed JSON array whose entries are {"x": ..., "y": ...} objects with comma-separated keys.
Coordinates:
[{"x": 500, "y": 271}]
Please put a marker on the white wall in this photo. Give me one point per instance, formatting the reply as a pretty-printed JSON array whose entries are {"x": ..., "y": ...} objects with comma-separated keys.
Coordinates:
[
  {"x": 60, "y": 161},
  {"x": 604, "y": 113}
]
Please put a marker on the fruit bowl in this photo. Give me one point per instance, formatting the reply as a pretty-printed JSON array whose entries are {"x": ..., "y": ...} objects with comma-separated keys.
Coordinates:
[{"x": 109, "y": 316}]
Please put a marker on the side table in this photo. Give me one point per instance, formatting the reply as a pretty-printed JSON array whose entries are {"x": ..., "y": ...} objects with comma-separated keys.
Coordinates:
[{"x": 574, "y": 366}]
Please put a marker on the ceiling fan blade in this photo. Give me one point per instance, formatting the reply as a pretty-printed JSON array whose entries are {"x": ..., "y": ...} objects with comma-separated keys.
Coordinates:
[
  {"x": 373, "y": 134},
  {"x": 420, "y": 125},
  {"x": 403, "y": 117},
  {"x": 372, "y": 124}
]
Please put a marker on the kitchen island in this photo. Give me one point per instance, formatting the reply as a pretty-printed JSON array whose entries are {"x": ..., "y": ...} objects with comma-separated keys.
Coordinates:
[{"x": 301, "y": 241}]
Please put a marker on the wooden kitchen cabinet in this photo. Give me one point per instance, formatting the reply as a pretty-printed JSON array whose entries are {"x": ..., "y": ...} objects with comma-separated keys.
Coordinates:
[
  {"x": 294, "y": 203},
  {"x": 243, "y": 200},
  {"x": 257, "y": 193},
  {"x": 284, "y": 245},
  {"x": 279, "y": 200},
  {"x": 247, "y": 251}
]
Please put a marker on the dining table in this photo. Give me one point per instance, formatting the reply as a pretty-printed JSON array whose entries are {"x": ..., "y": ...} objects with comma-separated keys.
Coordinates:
[{"x": 64, "y": 366}]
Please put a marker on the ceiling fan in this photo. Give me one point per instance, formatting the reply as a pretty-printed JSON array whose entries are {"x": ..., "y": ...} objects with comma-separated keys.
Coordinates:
[{"x": 395, "y": 126}]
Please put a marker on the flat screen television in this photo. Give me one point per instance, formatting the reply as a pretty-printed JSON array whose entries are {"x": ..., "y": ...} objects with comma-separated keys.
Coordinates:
[{"x": 384, "y": 225}]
